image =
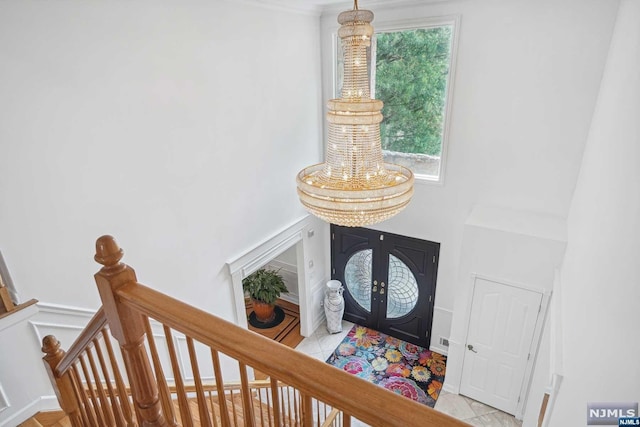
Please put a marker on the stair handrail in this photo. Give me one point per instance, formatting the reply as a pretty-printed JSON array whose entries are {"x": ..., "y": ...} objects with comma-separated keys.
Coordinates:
[
  {"x": 126, "y": 303},
  {"x": 84, "y": 341}
]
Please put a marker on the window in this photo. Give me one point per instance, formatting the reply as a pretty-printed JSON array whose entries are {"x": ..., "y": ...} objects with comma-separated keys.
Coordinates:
[{"x": 410, "y": 69}]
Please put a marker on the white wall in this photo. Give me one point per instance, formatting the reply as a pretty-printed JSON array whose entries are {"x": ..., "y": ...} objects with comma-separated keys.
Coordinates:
[
  {"x": 506, "y": 246},
  {"x": 286, "y": 265},
  {"x": 178, "y": 127},
  {"x": 20, "y": 390},
  {"x": 600, "y": 274},
  {"x": 524, "y": 91}
]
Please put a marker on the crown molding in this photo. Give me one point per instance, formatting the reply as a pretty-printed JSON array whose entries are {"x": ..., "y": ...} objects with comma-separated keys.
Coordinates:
[
  {"x": 375, "y": 5},
  {"x": 321, "y": 7},
  {"x": 289, "y": 6}
]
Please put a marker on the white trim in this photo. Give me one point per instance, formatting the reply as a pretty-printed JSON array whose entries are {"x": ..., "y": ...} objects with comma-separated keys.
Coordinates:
[
  {"x": 80, "y": 316},
  {"x": 432, "y": 22},
  {"x": 39, "y": 404},
  {"x": 379, "y": 5},
  {"x": 243, "y": 265},
  {"x": 383, "y": 26},
  {"x": 290, "y": 268},
  {"x": 450, "y": 388},
  {"x": 518, "y": 222},
  {"x": 4, "y": 400},
  {"x": 543, "y": 291},
  {"x": 437, "y": 347},
  {"x": 318, "y": 314},
  {"x": 318, "y": 9},
  {"x": 49, "y": 403},
  {"x": 38, "y": 335},
  {"x": 5, "y": 277},
  {"x": 299, "y": 8},
  {"x": 272, "y": 244},
  {"x": 533, "y": 350},
  {"x": 17, "y": 317},
  {"x": 552, "y": 390},
  {"x": 47, "y": 307},
  {"x": 289, "y": 273},
  {"x": 555, "y": 327},
  {"x": 535, "y": 340},
  {"x": 22, "y": 414},
  {"x": 293, "y": 299},
  {"x": 417, "y": 23}
]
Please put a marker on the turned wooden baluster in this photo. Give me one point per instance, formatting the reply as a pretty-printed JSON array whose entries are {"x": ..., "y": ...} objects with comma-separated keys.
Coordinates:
[
  {"x": 127, "y": 326},
  {"x": 6, "y": 304},
  {"x": 62, "y": 385}
]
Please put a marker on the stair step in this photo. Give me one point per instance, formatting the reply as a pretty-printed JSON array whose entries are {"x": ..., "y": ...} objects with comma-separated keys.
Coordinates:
[
  {"x": 47, "y": 419},
  {"x": 31, "y": 422}
]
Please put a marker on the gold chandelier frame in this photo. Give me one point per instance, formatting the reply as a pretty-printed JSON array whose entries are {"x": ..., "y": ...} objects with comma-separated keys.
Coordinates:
[{"x": 354, "y": 187}]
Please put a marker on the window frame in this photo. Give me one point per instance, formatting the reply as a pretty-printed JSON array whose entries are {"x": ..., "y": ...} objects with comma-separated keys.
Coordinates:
[{"x": 383, "y": 26}]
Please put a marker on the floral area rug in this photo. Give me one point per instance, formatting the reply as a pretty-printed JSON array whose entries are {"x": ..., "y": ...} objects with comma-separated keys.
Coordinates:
[{"x": 404, "y": 368}]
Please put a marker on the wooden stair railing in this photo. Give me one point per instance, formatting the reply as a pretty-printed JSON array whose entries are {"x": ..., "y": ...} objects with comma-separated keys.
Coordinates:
[
  {"x": 300, "y": 390},
  {"x": 7, "y": 306},
  {"x": 87, "y": 379}
]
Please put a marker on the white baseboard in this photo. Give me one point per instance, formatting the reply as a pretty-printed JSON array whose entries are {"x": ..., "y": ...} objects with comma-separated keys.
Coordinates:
[
  {"x": 450, "y": 389},
  {"x": 49, "y": 403},
  {"x": 293, "y": 299},
  {"x": 439, "y": 349},
  {"x": 21, "y": 415},
  {"x": 319, "y": 321}
]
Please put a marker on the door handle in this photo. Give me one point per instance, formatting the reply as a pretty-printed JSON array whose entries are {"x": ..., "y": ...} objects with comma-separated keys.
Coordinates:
[{"x": 470, "y": 347}]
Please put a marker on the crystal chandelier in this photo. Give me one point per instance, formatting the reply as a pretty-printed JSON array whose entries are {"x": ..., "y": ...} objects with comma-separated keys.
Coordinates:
[{"x": 354, "y": 187}]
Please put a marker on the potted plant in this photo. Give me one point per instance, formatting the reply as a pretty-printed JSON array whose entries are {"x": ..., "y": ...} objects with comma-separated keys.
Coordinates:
[{"x": 264, "y": 287}]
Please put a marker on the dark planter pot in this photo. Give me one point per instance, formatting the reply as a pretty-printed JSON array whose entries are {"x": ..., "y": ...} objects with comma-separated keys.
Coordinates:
[{"x": 264, "y": 312}]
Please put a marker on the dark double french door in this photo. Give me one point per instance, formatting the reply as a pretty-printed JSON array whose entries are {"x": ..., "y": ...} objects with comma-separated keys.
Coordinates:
[{"x": 389, "y": 281}]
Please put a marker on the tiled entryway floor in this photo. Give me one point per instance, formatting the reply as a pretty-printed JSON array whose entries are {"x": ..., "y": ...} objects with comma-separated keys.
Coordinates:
[{"x": 321, "y": 344}]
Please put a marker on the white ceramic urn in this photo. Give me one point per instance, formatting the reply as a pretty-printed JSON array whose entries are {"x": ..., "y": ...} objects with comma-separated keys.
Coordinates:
[{"x": 334, "y": 306}]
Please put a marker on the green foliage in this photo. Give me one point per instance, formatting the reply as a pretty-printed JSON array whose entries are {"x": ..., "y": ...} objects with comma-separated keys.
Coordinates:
[
  {"x": 411, "y": 79},
  {"x": 264, "y": 285}
]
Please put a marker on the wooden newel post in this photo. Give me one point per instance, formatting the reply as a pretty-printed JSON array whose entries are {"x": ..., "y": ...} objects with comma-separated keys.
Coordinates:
[
  {"x": 63, "y": 385},
  {"x": 127, "y": 326}
]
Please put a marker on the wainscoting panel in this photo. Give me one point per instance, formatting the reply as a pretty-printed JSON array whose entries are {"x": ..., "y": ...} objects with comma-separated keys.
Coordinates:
[
  {"x": 4, "y": 401},
  {"x": 289, "y": 274},
  {"x": 66, "y": 324},
  {"x": 63, "y": 322},
  {"x": 23, "y": 379},
  {"x": 317, "y": 301}
]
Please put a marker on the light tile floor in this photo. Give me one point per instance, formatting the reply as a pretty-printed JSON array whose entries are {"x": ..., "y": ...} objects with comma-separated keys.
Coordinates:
[{"x": 321, "y": 344}]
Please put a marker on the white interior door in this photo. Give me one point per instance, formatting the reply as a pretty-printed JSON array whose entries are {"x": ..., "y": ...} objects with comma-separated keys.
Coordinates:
[{"x": 501, "y": 326}]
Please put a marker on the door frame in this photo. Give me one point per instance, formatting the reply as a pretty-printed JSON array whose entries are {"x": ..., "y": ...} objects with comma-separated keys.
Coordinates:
[
  {"x": 384, "y": 244},
  {"x": 296, "y": 234},
  {"x": 535, "y": 341}
]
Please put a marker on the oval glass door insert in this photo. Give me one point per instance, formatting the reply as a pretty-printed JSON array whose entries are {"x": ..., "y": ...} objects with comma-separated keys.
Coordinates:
[
  {"x": 402, "y": 289},
  {"x": 357, "y": 275}
]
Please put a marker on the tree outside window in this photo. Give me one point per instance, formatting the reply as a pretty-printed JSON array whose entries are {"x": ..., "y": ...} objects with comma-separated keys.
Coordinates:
[{"x": 410, "y": 73}]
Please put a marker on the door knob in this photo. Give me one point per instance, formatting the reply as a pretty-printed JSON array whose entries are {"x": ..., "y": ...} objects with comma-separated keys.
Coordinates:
[{"x": 470, "y": 347}]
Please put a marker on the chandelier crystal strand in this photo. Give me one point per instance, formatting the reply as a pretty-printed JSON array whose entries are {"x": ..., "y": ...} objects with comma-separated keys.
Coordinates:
[{"x": 354, "y": 187}]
